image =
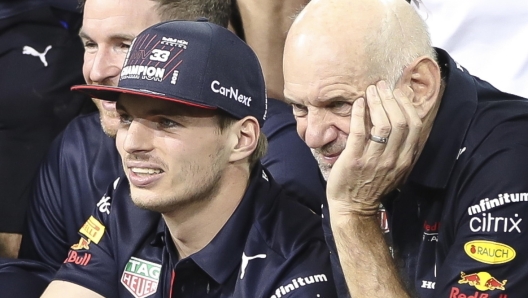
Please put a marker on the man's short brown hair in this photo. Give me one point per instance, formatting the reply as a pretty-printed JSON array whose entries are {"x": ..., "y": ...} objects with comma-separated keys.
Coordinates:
[{"x": 216, "y": 11}]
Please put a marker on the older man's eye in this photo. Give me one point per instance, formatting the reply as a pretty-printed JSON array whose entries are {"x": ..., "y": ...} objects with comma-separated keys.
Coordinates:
[
  {"x": 341, "y": 107},
  {"x": 299, "y": 110}
]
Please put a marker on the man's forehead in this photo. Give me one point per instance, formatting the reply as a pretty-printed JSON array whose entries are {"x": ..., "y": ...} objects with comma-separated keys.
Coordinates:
[{"x": 336, "y": 88}]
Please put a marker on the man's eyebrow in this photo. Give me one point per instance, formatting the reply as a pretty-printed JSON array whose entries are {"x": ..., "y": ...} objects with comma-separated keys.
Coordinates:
[
  {"x": 289, "y": 101},
  {"x": 118, "y": 36},
  {"x": 83, "y": 35}
]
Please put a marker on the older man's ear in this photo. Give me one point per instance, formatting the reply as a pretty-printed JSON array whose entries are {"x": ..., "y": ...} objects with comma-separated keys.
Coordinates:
[{"x": 423, "y": 77}]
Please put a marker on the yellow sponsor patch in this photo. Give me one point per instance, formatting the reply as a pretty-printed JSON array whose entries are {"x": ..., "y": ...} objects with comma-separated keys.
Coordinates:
[
  {"x": 93, "y": 229},
  {"x": 489, "y": 252}
]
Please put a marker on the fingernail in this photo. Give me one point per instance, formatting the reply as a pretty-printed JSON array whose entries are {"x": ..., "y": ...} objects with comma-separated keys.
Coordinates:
[
  {"x": 360, "y": 102},
  {"x": 371, "y": 90},
  {"x": 382, "y": 85}
]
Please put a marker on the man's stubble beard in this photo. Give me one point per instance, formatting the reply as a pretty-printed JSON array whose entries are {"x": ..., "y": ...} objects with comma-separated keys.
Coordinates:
[
  {"x": 328, "y": 149},
  {"x": 205, "y": 188}
]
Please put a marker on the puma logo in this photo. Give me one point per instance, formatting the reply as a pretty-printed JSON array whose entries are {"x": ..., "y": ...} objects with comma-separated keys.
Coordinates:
[
  {"x": 245, "y": 261},
  {"x": 27, "y": 50},
  {"x": 460, "y": 152}
]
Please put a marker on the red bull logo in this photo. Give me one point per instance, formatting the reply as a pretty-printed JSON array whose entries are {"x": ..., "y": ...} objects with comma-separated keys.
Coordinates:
[
  {"x": 83, "y": 244},
  {"x": 455, "y": 293},
  {"x": 483, "y": 281},
  {"x": 75, "y": 258}
]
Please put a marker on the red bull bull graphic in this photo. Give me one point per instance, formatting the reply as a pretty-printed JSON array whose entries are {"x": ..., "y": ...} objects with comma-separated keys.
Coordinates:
[
  {"x": 482, "y": 281},
  {"x": 83, "y": 244}
]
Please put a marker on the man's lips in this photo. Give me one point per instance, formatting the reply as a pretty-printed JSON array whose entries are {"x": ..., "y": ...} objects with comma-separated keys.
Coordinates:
[
  {"x": 330, "y": 158},
  {"x": 143, "y": 174}
]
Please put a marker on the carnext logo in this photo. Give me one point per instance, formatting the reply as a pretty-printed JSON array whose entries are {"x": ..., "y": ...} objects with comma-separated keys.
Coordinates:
[{"x": 230, "y": 93}]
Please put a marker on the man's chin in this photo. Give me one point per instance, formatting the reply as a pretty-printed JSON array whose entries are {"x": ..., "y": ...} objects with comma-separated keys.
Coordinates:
[
  {"x": 109, "y": 125},
  {"x": 325, "y": 171},
  {"x": 324, "y": 167}
]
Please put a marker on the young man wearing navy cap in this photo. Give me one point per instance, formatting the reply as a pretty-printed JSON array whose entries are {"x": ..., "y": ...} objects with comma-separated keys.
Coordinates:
[
  {"x": 191, "y": 99},
  {"x": 83, "y": 159}
]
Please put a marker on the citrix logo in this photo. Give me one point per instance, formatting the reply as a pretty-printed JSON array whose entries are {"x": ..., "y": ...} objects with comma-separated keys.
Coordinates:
[{"x": 488, "y": 223}]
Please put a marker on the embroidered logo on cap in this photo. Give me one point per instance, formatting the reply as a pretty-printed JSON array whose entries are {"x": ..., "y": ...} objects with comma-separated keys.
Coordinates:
[{"x": 230, "y": 92}]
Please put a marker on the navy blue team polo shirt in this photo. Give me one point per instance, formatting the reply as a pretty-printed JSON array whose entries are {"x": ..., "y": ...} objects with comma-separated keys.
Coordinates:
[
  {"x": 460, "y": 222},
  {"x": 270, "y": 247},
  {"x": 459, "y": 225},
  {"x": 81, "y": 162}
]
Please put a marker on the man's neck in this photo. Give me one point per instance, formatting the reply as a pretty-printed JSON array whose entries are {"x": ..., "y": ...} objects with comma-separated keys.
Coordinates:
[{"x": 193, "y": 226}]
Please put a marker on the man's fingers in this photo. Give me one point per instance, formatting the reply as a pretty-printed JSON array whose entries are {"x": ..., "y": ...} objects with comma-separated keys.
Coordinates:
[
  {"x": 397, "y": 120},
  {"x": 381, "y": 127},
  {"x": 356, "y": 141},
  {"x": 414, "y": 123}
]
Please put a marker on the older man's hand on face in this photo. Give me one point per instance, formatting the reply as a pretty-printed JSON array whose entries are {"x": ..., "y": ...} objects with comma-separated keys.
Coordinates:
[{"x": 380, "y": 151}]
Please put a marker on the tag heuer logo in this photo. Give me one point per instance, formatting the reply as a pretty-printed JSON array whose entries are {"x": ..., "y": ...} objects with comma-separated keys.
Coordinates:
[{"x": 141, "y": 277}]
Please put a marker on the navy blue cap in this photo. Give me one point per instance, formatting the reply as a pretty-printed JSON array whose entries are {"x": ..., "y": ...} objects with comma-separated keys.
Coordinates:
[{"x": 196, "y": 63}]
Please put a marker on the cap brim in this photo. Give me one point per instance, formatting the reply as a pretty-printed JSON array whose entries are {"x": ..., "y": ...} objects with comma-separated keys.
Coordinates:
[{"x": 110, "y": 93}]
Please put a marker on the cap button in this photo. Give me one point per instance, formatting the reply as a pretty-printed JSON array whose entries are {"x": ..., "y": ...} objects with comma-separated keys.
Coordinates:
[{"x": 202, "y": 19}]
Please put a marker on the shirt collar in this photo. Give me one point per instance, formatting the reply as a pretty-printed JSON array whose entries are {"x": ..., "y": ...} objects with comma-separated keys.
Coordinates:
[
  {"x": 457, "y": 106},
  {"x": 222, "y": 256}
]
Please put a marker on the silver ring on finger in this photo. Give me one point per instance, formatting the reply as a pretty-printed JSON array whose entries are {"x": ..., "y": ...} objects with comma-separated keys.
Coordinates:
[{"x": 378, "y": 139}]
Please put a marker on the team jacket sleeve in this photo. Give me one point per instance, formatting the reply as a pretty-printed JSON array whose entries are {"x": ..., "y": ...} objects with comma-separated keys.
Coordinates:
[
  {"x": 43, "y": 237},
  {"x": 90, "y": 262},
  {"x": 488, "y": 258}
]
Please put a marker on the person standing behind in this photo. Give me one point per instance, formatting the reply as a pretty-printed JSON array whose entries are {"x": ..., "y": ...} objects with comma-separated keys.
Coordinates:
[
  {"x": 190, "y": 144},
  {"x": 396, "y": 121},
  {"x": 41, "y": 58},
  {"x": 265, "y": 24},
  {"x": 83, "y": 160}
]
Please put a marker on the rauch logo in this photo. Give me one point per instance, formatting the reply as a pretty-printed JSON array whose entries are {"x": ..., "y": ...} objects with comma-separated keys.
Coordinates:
[{"x": 489, "y": 252}]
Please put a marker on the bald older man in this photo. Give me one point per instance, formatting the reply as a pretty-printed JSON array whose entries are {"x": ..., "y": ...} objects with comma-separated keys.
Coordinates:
[{"x": 393, "y": 121}]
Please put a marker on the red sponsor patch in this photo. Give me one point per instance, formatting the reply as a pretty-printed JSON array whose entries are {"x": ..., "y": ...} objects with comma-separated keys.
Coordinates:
[
  {"x": 456, "y": 293},
  {"x": 81, "y": 259}
]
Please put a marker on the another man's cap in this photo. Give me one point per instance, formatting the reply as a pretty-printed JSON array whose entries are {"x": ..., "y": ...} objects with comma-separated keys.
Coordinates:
[{"x": 193, "y": 63}]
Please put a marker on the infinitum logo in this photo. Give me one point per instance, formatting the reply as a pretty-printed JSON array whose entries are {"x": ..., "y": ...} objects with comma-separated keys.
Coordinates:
[
  {"x": 505, "y": 198},
  {"x": 297, "y": 283}
]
